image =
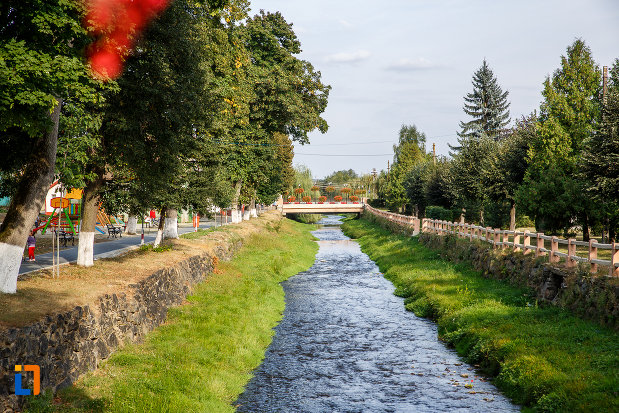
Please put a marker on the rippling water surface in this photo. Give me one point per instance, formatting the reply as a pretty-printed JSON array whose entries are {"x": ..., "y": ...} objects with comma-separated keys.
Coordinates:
[{"x": 346, "y": 344}]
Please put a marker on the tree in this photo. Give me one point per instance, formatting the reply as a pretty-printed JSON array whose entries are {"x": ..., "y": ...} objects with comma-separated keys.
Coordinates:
[
  {"x": 600, "y": 160},
  {"x": 341, "y": 177},
  {"x": 466, "y": 170},
  {"x": 487, "y": 105},
  {"x": 409, "y": 151},
  {"x": 41, "y": 67},
  {"x": 505, "y": 168},
  {"x": 149, "y": 130},
  {"x": 568, "y": 116}
]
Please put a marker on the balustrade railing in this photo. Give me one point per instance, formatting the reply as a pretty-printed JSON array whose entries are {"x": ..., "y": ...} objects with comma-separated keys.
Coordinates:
[{"x": 524, "y": 241}]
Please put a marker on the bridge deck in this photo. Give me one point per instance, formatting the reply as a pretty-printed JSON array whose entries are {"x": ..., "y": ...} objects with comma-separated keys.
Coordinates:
[{"x": 326, "y": 208}]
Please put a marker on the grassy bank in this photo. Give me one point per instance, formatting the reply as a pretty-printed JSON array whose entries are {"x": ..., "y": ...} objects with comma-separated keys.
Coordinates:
[
  {"x": 200, "y": 360},
  {"x": 542, "y": 357}
]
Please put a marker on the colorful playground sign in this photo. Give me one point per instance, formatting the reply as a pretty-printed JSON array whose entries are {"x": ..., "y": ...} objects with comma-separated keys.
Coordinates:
[{"x": 59, "y": 202}]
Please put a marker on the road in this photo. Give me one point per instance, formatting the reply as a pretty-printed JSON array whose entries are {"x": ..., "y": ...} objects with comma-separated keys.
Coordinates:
[{"x": 103, "y": 249}]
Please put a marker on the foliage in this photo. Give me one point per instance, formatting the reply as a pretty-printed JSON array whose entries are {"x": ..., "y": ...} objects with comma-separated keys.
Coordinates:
[
  {"x": 341, "y": 177},
  {"x": 487, "y": 105},
  {"x": 41, "y": 61},
  {"x": 409, "y": 151},
  {"x": 600, "y": 160},
  {"x": 568, "y": 116},
  {"x": 437, "y": 212}
]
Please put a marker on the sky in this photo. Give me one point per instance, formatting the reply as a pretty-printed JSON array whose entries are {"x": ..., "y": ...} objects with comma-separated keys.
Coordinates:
[{"x": 399, "y": 62}]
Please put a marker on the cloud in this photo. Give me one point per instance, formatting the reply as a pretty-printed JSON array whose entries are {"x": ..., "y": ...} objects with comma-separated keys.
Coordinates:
[
  {"x": 352, "y": 57},
  {"x": 409, "y": 65},
  {"x": 346, "y": 24}
]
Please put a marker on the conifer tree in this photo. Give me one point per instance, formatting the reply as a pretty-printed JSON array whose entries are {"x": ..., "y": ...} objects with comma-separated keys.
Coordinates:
[
  {"x": 600, "y": 163},
  {"x": 487, "y": 105}
]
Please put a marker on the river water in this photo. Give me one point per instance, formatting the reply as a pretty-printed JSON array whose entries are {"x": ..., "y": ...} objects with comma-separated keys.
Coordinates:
[{"x": 346, "y": 344}]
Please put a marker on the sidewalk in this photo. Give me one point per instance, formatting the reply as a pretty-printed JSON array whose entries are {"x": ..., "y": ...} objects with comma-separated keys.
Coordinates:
[{"x": 104, "y": 249}]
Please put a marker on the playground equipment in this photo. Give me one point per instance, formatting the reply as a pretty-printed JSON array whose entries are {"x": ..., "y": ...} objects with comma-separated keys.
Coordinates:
[{"x": 61, "y": 206}]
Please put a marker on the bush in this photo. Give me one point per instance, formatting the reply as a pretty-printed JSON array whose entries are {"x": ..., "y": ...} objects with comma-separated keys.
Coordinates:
[
  {"x": 377, "y": 203},
  {"x": 437, "y": 212}
]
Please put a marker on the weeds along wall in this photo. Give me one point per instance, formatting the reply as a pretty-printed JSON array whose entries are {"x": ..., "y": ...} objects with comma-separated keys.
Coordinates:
[
  {"x": 69, "y": 344},
  {"x": 576, "y": 289}
]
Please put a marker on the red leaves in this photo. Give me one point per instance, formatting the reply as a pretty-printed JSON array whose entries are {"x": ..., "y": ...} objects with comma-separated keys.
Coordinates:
[{"x": 117, "y": 23}]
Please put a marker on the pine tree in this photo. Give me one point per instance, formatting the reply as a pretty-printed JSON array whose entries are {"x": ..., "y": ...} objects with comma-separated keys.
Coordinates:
[{"x": 487, "y": 105}]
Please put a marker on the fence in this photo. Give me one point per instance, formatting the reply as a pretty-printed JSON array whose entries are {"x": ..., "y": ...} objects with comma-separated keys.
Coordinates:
[
  {"x": 397, "y": 218},
  {"x": 525, "y": 241}
]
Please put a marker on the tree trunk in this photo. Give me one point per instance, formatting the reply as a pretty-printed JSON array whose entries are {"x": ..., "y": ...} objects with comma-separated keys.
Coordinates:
[
  {"x": 481, "y": 217},
  {"x": 512, "y": 217},
  {"x": 235, "y": 203},
  {"x": 27, "y": 203},
  {"x": 252, "y": 208},
  {"x": 90, "y": 208},
  {"x": 171, "y": 224},
  {"x": 159, "y": 236},
  {"x": 132, "y": 225},
  {"x": 585, "y": 228}
]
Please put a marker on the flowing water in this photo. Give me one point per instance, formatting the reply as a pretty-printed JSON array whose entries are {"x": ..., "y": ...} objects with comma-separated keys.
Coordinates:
[{"x": 346, "y": 344}]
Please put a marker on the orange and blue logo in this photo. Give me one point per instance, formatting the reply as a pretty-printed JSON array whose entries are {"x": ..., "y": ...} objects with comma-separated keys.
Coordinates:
[{"x": 36, "y": 370}]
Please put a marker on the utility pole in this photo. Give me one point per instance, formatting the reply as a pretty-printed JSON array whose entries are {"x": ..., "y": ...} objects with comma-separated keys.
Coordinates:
[{"x": 434, "y": 153}]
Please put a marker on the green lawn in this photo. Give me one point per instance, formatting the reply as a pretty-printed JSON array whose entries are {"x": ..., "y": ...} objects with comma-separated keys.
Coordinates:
[
  {"x": 203, "y": 356},
  {"x": 542, "y": 357}
]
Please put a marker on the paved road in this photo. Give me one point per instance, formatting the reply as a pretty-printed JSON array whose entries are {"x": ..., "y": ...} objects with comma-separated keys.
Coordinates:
[{"x": 102, "y": 249}]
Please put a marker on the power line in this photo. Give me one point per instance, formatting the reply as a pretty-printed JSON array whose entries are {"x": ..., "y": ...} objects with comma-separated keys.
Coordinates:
[{"x": 330, "y": 154}]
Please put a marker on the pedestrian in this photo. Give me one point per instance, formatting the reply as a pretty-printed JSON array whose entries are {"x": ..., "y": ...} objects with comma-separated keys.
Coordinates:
[{"x": 32, "y": 241}]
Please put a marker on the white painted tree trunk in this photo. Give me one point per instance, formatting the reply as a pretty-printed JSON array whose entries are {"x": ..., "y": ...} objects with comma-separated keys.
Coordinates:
[
  {"x": 85, "y": 249},
  {"x": 158, "y": 238},
  {"x": 27, "y": 201},
  {"x": 246, "y": 215},
  {"x": 132, "y": 225},
  {"x": 11, "y": 261},
  {"x": 170, "y": 230},
  {"x": 253, "y": 213}
]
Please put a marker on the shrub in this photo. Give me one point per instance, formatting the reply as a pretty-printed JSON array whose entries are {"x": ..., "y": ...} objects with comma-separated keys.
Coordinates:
[
  {"x": 322, "y": 198},
  {"x": 437, "y": 212},
  {"x": 307, "y": 199},
  {"x": 292, "y": 198},
  {"x": 337, "y": 198},
  {"x": 354, "y": 198}
]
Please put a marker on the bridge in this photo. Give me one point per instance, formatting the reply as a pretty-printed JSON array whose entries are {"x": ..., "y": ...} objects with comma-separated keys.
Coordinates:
[{"x": 319, "y": 208}]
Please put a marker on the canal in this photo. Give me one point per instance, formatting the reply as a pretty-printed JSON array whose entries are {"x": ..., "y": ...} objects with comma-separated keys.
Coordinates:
[{"x": 346, "y": 344}]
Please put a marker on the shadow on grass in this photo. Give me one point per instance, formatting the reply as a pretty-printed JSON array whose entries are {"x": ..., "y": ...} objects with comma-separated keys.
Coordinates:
[{"x": 71, "y": 399}]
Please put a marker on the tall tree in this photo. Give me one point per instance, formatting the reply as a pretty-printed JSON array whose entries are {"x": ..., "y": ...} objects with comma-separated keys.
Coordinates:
[
  {"x": 506, "y": 167},
  {"x": 600, "y": 161},
  {"x": 568, "y": 116},
  {"x": 409, "y": 151},
  {"x": 41, "y": 66},
  {"x": 487, "y": 105}
]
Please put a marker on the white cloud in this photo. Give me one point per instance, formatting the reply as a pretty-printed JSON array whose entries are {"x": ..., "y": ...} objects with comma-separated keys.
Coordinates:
[
  {"x": 419, "y": 63},
  {"x": 352, "y": 57},
  {"x": 346, "y": 24}
]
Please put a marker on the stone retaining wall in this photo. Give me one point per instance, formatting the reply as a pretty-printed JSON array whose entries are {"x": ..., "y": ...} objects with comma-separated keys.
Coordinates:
[
  {"x": 69, "y": 344},
  {"x": 595, "y": 298}
]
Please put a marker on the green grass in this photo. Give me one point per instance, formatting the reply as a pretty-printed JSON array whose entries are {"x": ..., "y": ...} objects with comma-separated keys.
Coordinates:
[
  {"x": 203, "y": 356},
  {"x": 542, "y": 357}
]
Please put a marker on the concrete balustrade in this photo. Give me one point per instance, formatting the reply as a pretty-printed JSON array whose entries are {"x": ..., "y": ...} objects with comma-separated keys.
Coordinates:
[{"x": 501, "y": 239}]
